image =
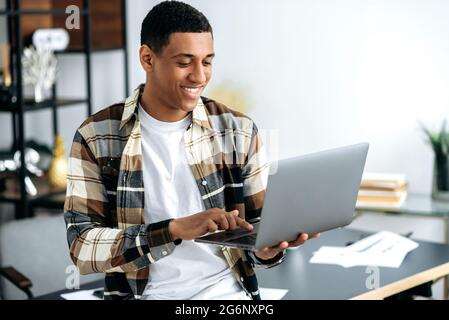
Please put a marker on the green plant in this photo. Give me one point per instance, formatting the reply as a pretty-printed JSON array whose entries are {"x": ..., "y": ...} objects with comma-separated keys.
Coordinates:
[
  {"x": 438, "y": 140},
  {"x": 440, "y": 145}
]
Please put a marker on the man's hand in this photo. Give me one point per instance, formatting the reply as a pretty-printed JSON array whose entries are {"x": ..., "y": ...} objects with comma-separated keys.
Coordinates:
[
  {"x": 196, "y": 225},
  {"x": 270, "y": 252}
]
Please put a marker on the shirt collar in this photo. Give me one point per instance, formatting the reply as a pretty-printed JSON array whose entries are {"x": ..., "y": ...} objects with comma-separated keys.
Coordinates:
[{"x": 199, "y": 114}]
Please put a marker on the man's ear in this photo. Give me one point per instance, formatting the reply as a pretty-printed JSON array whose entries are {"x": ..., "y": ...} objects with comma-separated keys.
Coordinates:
[{"x": 146, "y": 57}]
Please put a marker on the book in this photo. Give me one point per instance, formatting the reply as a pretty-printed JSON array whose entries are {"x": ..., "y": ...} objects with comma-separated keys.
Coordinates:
[
  {"x": 399, "y": 198},
  {"x": 403, "y": 187},
  {"x": 383, "y": 180},
  {"x": 381, "y": 193},
  {"x": 382, "y": 190},
  {"x": 379, "y": 205},
  {"x": 381, "y": 196}
]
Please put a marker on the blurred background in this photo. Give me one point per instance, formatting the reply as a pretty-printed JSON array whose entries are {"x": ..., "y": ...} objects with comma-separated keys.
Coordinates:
[{"x": 319, "y": 73}]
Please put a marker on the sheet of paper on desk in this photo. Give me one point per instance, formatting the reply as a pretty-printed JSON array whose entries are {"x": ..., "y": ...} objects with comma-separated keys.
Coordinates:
[
  {"x": 272, "y": 294},
  {"x": 81, "y": 295},
  {"x": 265, "y": 293},
  {"x": 383, "y": 249}
]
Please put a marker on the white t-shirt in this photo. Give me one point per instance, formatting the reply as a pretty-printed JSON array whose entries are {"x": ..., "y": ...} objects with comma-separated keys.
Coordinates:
[{"x": 193, "y": 270}]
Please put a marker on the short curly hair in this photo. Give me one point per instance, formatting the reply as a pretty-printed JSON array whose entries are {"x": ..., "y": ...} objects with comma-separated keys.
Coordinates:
[{"x": 169, "y": 17}]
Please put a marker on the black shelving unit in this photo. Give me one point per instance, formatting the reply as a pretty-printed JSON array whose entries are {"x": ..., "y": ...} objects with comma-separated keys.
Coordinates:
[{"x": 46, "y": 197}]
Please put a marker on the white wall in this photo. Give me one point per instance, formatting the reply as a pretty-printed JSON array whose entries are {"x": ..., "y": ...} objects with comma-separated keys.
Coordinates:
[{"x": 326, "y": 73}]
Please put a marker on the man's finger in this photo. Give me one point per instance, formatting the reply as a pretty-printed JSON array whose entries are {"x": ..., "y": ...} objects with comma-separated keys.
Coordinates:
[
  {"x": 244, "y": 224},
  {"x": 224, "y": 224},
  {"x": 211, "y": 226},
  {"x": 300, "y": 240},
  {"x": 281, "y": 246},
  {"x": 231, "y": 216}
]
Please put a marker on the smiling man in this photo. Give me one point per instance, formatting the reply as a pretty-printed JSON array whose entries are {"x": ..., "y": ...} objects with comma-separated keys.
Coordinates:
[{"x": 149, "y": 175}]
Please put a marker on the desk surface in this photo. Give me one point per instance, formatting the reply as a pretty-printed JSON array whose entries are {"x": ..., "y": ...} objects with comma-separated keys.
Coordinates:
[{"x": 318, "y": 281}]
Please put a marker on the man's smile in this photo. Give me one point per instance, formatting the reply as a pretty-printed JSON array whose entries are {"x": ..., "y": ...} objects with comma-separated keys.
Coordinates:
[{"x": 192, "y": 92}]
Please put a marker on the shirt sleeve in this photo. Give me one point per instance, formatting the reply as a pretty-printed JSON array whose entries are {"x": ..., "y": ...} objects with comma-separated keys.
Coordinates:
[{"x": 94, "y": 245}]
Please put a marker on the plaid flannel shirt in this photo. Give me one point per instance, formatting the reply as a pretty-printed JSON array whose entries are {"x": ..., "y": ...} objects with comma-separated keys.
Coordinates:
[{"x": 104, "y": 207}]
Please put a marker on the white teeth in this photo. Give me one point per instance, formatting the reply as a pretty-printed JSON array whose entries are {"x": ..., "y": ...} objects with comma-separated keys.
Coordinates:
[{"x": 191, "y": 90}]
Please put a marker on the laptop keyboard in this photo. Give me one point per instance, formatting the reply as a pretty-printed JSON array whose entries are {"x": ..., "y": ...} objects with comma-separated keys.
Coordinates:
[
  {"x": 248, "y": 240},
  {"x": 231, "y": 235},
  {"x": 237, "y": 236}
]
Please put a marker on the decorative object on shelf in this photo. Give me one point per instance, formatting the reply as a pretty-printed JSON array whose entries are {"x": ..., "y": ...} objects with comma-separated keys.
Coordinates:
[
  {"x": 7, "y": 92},
  {"x": 39, "y": 70},
  {"x": 45, "y": 154},
  {"x": 32, "y": 158},
  {"x": 439, "y": 142},
  {"x": 13, "y": 164},
  {"x": 57, "y": 174},
  {"x": 5, "y": 53},
  {"x": 55, "y": 39},
  {"x": 7, "y": 165}
]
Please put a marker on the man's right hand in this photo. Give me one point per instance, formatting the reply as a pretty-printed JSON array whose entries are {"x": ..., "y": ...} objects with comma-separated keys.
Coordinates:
[{"x": 197, "y": 225}]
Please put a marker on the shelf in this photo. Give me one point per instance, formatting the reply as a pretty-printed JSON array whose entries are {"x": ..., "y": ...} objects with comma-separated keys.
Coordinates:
[
  {"x": 51, "y": 201},
  {"x": 54, "y": 12},
  {"x": 102, "y": 29},
  {"x": 33, "y": 106},
  {"x": 82, "y": 50},
  {"x": 44, "y": 191}
]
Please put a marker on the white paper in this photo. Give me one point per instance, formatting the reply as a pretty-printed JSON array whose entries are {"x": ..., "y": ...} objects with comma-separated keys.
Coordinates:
[
  {"x": 272, "y": 294},
  {"x": 383, "y": 249},
  {"x": 81, "y": 295},
  {"x": 265, "y": 294}
]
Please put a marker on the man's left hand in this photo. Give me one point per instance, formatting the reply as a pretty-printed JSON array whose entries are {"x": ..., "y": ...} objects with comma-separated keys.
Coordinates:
[{"x": 270, "y": 252}]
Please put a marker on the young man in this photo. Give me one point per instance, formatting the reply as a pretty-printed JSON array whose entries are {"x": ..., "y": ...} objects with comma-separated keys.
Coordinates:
[{"x": 149, "y": 175}]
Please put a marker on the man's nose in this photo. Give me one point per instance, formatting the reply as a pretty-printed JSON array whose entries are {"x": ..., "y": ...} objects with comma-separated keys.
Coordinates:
[{"x": 198, "y": 74}]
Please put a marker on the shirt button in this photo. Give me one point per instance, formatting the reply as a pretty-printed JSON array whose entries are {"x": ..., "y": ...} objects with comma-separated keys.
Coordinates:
[
  {"x": 164, "y": 253},
  {"x": 204, "y": 182}
]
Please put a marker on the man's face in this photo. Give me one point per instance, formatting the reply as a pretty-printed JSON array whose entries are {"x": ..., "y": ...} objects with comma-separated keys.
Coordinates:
[{"x": 181, "y": 71}]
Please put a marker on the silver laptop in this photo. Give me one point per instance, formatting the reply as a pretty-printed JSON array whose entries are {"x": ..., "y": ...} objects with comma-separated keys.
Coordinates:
[{"x": 311, "y": 193}]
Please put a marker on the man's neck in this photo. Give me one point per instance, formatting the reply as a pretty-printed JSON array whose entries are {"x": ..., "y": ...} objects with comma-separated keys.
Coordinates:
[{"x": 158, "y": 110}]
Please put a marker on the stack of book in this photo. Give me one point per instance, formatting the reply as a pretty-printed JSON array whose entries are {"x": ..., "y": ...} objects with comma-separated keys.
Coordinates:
[{"x": 382, "y": 190}]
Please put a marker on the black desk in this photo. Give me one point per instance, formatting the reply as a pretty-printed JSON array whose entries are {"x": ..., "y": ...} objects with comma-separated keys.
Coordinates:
[{"x": 318, "y": 281}]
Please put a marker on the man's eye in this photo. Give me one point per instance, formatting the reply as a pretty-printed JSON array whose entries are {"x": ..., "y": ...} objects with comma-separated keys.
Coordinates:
[
  {"x": 207, "y": 63},
  {"x": 183, "y": 64}
]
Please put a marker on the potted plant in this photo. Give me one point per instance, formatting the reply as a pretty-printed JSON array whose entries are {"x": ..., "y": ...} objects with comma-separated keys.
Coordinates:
[{"x": 439, "y": 141}]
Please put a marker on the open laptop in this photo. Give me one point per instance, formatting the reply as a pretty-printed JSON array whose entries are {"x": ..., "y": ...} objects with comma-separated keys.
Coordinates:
[{"x": 311, "y": 193}]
